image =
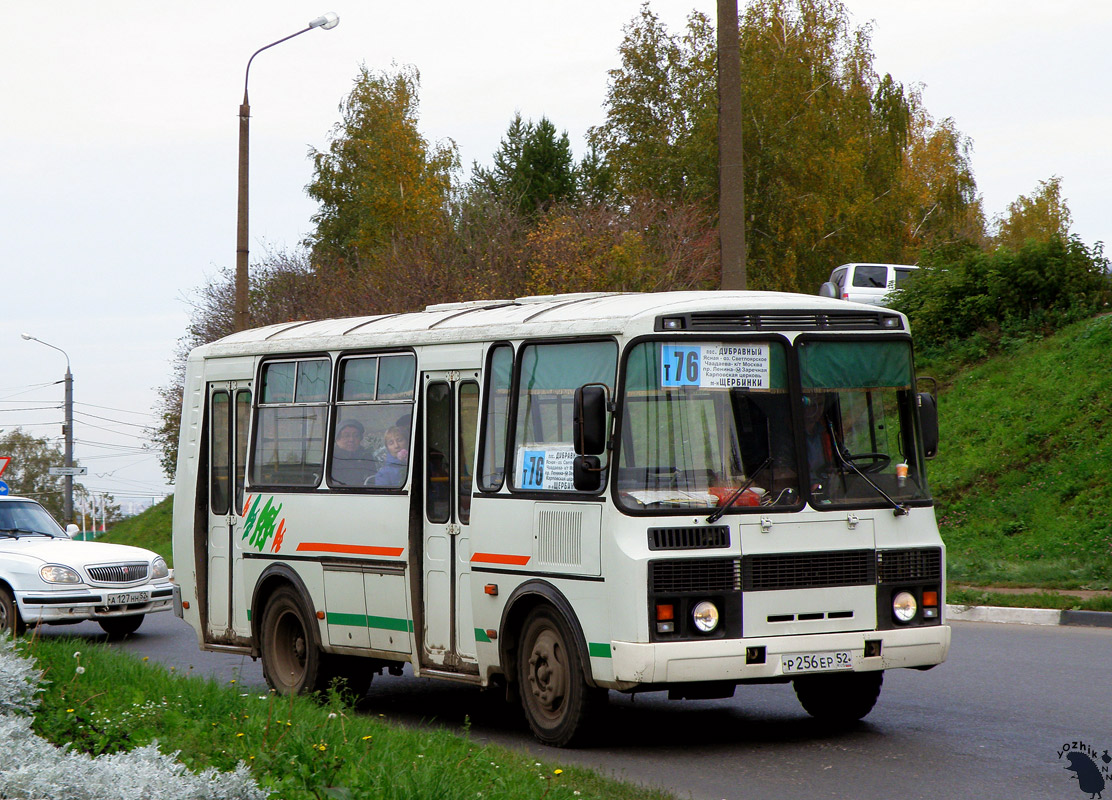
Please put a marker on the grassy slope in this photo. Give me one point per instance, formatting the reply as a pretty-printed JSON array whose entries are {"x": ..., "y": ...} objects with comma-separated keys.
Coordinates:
[
  {"x": 151, "y": 530},
  {"x": 1023, "y": 477}
]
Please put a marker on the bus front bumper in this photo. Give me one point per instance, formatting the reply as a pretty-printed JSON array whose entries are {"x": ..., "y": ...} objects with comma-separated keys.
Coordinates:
[{"x": 772, "y": 657}]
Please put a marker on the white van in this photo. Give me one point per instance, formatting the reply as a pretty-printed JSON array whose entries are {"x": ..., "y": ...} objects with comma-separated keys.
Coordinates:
[{"x": 866, "y": 283}]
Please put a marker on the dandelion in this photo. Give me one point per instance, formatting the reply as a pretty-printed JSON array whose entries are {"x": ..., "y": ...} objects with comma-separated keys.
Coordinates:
[
  {"x": 557, "y": 772},
  {"x": 69, "y": 710},
  {"x": 332, "y": 715},
  {"x": 239, "y": 735},
  {"x": 420, "y": 755},
  {"x": 146, "y": 658},
  {"x": 80, "y": 670},
  {"x": 233, "y": 680},
  {"x": 367, "y": 738}
]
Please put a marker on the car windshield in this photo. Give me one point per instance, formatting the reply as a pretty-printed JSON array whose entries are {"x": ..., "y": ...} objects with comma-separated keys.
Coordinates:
[
  {"x": 713, "y": 425},
  {"x": 26, "y": 517}
]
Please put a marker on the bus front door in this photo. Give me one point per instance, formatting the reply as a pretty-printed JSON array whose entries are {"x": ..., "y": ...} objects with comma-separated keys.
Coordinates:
[
  {"x": 229, "y": 410},
  {"x": 451, "y": 408}
]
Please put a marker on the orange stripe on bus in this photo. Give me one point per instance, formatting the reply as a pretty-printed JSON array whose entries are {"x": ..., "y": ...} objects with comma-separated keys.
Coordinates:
[
  {"x": 500, "y": 558},
  {"x": 353, "y": 549}
]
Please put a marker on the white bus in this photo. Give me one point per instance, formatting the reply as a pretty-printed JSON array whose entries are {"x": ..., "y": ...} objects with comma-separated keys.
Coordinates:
[{"x": 568, "y": 495}]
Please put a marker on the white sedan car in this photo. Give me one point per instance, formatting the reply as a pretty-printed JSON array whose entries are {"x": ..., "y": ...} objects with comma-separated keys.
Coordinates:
[{"x": 48, "y": 578}]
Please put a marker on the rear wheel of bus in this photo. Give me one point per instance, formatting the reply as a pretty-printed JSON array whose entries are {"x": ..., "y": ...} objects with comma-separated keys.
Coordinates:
[
  {"x": 557, "y": 700},
  {"x": 840, "y": 698}
]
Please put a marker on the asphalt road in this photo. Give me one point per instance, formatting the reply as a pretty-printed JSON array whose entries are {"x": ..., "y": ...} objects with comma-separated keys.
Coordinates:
[{"x": 989, "y": 723}]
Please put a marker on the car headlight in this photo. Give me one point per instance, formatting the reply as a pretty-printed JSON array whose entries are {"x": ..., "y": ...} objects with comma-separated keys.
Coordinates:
[
  {"x": 705, "y": 616},
  {"x": 56, "y": 573},
  {"x": 159, "y": 568},
  {"x": 904, "y": 606}
]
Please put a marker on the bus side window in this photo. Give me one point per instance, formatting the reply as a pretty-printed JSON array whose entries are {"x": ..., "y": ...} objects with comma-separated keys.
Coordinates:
[
  {"x": 496, "y": 418},
  {"x": 288, "y": 448}
]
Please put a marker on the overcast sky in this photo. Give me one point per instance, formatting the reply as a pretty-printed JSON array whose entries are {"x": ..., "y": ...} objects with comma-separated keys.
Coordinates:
[{"x": 118, "y": 148}]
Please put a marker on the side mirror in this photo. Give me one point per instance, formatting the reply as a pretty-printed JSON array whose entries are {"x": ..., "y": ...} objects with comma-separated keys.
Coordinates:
[
  {"x": 828, "y": 289},
  {"x": 928, "y": 423},
  {"x": 72, "y": 531},
  {"x": 586, "y": 473},
  {"x": 589, "y": 420}
]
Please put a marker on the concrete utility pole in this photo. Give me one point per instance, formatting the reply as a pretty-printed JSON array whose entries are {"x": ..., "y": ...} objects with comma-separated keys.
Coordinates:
[
  {"x": 327, "y": 23},
  {"x": 67, "y": 427},
  {"x": 731, "y": 183}
]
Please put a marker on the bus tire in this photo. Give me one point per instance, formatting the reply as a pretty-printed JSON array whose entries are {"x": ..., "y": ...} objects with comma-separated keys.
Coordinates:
[
  {"x": 10, "y": 621},
  {"x": 554, "y": 692},
  {"x": 839, "y": 698},
  {"x": 292, "y": 662}
]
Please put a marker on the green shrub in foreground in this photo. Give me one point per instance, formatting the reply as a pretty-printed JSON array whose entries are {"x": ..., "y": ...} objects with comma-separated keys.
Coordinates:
[{"x": 295, "y": 747}]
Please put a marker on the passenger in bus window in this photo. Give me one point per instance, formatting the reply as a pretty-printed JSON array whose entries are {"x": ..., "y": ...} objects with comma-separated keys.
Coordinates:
[
  {"x": 820, "y": 448},
  {"x": 393, "y": 472},
  {"x": 352, "y": 464}
]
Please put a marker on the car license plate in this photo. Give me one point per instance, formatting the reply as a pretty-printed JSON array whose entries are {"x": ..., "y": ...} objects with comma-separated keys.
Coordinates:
[
  {"x": 127, "y": 598},
  {"x": 793, "y": 663}
]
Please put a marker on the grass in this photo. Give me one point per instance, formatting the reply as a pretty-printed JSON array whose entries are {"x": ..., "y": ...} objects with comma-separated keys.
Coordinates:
[
  {"x": 1024, "y": 472},
  {"x": 150, "y": 529},
  {"x": 1036, "y": 599},
  {"x": 296, "y": 747}
]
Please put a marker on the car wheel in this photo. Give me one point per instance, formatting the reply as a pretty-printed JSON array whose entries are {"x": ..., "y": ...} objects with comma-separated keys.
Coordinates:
[
  {"x": 119, "y": 627},
  {"x": 292, "y": 662},
  {"x": 10, "y": 620}
]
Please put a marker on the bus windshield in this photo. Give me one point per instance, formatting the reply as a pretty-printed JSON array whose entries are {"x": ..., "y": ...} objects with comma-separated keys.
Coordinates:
[{"x": 710, "y": 424}]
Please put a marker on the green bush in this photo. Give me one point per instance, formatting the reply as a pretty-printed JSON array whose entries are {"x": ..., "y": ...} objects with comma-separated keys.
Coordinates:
[{"x": 973, "y": 303}]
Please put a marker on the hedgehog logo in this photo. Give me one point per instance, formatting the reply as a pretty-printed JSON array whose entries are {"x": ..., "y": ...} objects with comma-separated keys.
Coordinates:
[
  {"x": 1091, "y": 768},
  {"x": 1087, "y": 775}
]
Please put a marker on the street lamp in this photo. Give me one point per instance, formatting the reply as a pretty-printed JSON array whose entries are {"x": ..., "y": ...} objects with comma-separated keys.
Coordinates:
[
  {"x": 68, "y": 428},
  {"x": 326, "y": 22}
]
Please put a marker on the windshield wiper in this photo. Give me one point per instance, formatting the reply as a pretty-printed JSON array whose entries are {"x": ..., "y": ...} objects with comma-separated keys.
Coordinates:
[
  {"x": 15, "y": 532},
  {"x": 898, "y": 509},
  {"x": 717, "y": 515}
]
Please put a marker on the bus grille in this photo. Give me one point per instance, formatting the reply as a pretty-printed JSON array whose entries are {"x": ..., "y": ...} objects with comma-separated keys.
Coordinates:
[
  {"x": 118, "y": 573},
  {"x": 809, "y": 570},
  {"x": 695, "y": 575},
  {"x": 704, "y": 538},
  {"x": 900, "y": 566}
]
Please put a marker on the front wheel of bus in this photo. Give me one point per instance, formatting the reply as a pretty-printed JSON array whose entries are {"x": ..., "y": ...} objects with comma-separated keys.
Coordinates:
[
  {"x": 292, "y": 662},
  {"x": 554, "y": 692},
  {"x": 840, "y": 698}
]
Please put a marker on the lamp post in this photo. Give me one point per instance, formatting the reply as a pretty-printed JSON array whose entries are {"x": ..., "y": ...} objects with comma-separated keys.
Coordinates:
[
  {"x": 326, "y": 22},
  {"x": 68, "y": 427}
]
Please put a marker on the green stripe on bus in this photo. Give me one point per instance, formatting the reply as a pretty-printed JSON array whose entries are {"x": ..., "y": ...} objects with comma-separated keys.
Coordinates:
[
  {"x": 481, "y": 635},
  {"x": 598, "y": 649},
  {"x": 363, "y": 621}
]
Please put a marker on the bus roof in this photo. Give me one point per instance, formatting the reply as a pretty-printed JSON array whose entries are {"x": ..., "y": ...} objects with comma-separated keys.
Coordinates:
[{"x": 585, "y": 314}]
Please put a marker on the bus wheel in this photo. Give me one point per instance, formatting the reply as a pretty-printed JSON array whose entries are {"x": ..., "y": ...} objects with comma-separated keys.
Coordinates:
[
  {"x": 839, "y": 698},
  {"x": 10, "y": 621},
  {"x": 554, "y": 693},
  {"x": 292, "y": 663}
]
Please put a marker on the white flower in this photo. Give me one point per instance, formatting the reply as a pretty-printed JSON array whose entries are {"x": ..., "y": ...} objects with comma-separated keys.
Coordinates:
[{"x": 80, "y": 670}]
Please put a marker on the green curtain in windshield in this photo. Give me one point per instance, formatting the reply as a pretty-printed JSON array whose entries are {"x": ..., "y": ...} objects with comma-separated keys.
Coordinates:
[{"x": 855, "y": 365}]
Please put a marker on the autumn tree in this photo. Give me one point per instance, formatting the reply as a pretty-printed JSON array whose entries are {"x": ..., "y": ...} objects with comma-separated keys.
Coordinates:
[
  {"x": 1037, "y": 217},
  {"x": 380, "y": 181},
  {"x": 840, "y": 164},
  {"x": 28, "y": 473}
]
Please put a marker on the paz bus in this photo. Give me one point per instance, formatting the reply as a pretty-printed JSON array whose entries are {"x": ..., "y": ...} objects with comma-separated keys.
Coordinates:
[{"x": 568, "y": 495}]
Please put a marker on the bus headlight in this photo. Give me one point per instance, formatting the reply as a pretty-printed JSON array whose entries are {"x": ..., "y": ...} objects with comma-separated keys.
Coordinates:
[
  {"x": 904, "y": 606},
  {"x": 705, "y": 616}
]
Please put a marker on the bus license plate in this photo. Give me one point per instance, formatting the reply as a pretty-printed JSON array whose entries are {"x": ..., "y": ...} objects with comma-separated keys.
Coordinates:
[
  {"x": 793, "y": 663},
  {"x": 127, "y": 598}
]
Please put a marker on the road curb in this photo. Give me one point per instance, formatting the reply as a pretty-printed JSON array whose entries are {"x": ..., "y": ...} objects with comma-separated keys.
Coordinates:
[{"x": 1030, "y": 616}]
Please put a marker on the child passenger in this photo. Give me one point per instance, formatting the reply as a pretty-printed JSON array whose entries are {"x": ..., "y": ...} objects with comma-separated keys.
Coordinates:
[{"x": 393, "y": 471}]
